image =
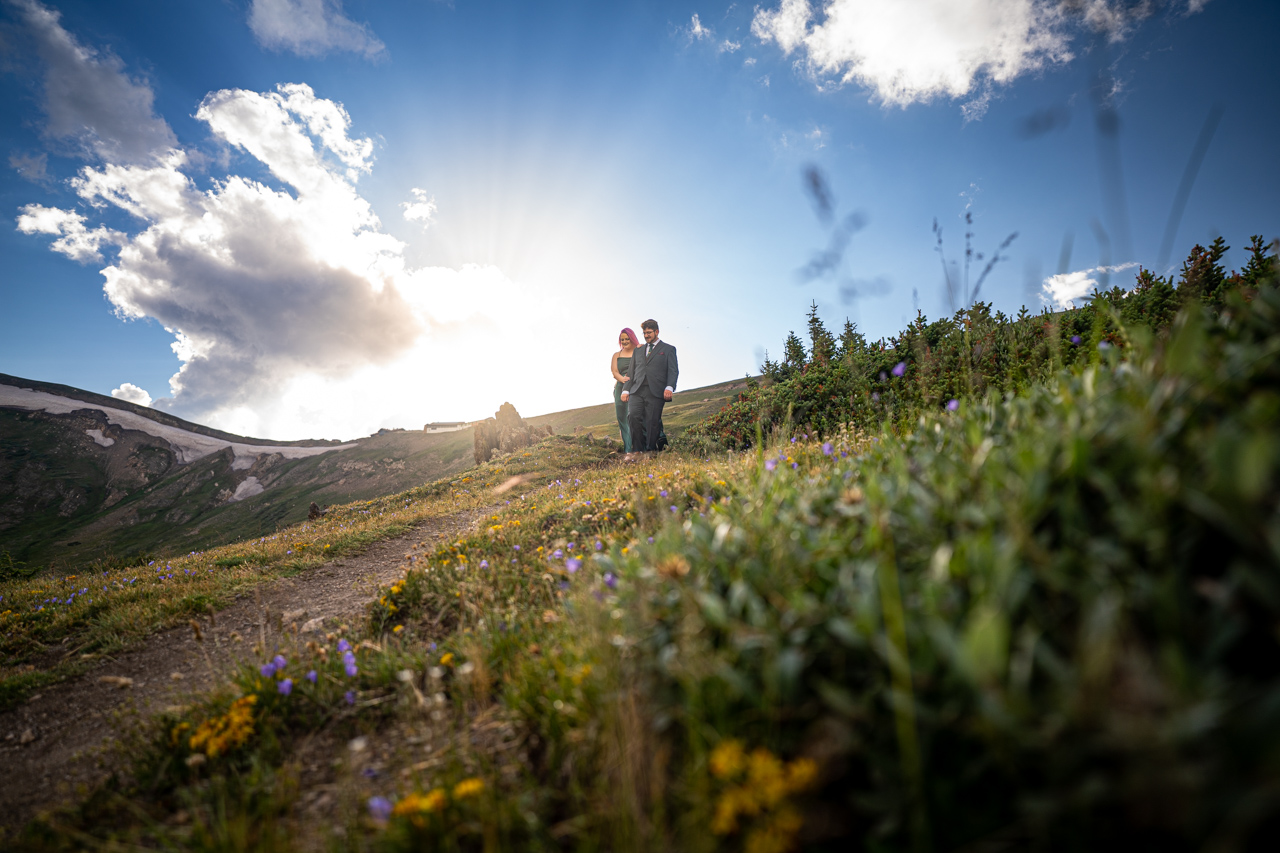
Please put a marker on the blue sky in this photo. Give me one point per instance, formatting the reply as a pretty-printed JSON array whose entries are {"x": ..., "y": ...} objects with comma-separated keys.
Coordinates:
[{"x": 365, "y": 214}]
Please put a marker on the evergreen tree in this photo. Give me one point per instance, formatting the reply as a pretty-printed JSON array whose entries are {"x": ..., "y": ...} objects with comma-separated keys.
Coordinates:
[
  {"x": 822, "y": 343},
  {"x": 793, "y": 354},
  {"x": 852, "y": 342},
  {"x": 1261, "y": 266},
  {"x": 1203, "y": 275}
]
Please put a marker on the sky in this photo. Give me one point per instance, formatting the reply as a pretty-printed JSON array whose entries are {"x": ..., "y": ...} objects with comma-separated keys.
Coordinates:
[{"x": 317, "y": 218}]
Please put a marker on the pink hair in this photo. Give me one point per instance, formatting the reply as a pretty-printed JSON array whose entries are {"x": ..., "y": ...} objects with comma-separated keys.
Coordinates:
[{"x": 635, "y": 342}]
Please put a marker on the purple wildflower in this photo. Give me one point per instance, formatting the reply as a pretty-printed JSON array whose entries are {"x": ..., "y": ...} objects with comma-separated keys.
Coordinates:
[
  {"x": 673, "y": 508},
  {"x": 570, "y": 546},
  {"x": 285, "y": 687},
  {"x": 312, "y": 676},
  {"x": 343, "y": 645},
  {"x": 663, "y": 493},
  {"x": 827, "y": 449},
  {"x": 279, "y": 661},
  {"x": 379, "y": 807},
  {"x": 770, "y": 464},
  {"x": 573, "y": 564},
  {"x": 611, "y": 580},
  {"x": 650, "y": 540},
  {"x": 557, "y": 553},
  {"x": 351, "y": 697},
  {"x": 268, "y": 670},
  {"x": 352, "y": 669},
  {"x": 599, "y": 546},
  {"x": 952, "y": 405},
  {"x": 1075, "y": 340},
  {"x": 484, "y": 564},
  {"x": 900, "y": 368},
  {"x": 517, "y": 547}
]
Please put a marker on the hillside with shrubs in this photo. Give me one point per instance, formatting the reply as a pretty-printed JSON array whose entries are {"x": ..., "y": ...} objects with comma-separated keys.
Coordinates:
[{"x": 997, "y": 583}]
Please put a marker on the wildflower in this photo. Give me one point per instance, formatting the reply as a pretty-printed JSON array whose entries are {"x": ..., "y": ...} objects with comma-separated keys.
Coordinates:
[
  {"x": 285, "y": 687},
  {"x": 952, "y": 405},
  {"x": 674, "y": 508},
  {"x": 268, "y": 670},
  {"x": 312, "y": 676},
  {"x": 350, "y": 697},
  {"x": 900, "y": 368},
  {"x": 447, "y": 659},
  {"x": 827, "y": 449},
  {"x": 1075, "y": 340},
  {"x": 343, "y": 645},
  {"x": 570, "y": 546},
  {"x": 573, "y": 564},
  {"x": 611, "y": 580},
  {"x": 415, "y": 803},
  {"x": 467, "y": 788},
  {"x": 352, "y": 669},
  {"x": 380, "y": 808},
  {"x": 279, "y": 661},
  {"x": 650, "y": 540},
  {"x": 727, "y": 759},
  {"x": 663, "y": 493},
  {"x": 770, "y": 464},
  {"x": 557, "y": 553},
  {"x": 517, "y": 547},
  {"x": 484, "y": 564},
  {"x": 599, "y": 546}
]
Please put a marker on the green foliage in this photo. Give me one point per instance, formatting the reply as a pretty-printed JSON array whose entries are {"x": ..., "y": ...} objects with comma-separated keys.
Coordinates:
[{"x": 968, "y": 356}]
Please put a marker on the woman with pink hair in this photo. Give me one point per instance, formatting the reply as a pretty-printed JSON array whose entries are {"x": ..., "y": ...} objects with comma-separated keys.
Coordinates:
[{"x": 620, "y": 366}]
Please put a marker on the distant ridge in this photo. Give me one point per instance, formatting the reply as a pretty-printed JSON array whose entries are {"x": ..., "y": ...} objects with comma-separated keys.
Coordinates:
[{"x": 152, "y": 414}]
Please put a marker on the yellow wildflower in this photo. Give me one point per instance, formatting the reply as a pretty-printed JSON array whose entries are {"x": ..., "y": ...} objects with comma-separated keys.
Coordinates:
[
  {"x": 447, "y": 660},
  {"x": 397, "y": 629},
  {"x": 776, "y": 836},
  {"x": 221, "y": 734},
  {"x": 415, "y": 803},
  {"x": 467, "y": 788},
  {"x": 766, "y": 777},
  {"x": 727, "y": 759},
  {"x": 801, "y": 774}
]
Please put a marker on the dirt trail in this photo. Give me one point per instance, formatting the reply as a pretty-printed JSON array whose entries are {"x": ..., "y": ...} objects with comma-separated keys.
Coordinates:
[{"x": 55, "y": 743}]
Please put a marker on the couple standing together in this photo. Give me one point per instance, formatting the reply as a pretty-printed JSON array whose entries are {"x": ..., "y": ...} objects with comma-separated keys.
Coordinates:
[{"x": 646, "y": 378}]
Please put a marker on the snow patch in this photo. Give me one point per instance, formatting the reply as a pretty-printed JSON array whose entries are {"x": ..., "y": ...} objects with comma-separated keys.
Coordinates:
[
  {"x": 188, "y": 446},
  {"x": 247, "y": 489},
  {"x": 98, "y": 438}
]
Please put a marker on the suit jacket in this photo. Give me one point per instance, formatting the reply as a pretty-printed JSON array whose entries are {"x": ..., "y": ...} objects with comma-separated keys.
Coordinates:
[{"x": 652, "y": 375}]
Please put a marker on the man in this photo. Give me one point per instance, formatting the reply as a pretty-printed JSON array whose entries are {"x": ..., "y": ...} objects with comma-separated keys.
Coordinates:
[{"x": 654, "y": 371}]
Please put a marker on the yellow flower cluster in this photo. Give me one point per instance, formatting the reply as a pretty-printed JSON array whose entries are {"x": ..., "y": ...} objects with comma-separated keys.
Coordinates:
[
  {"x": 415, "y": 805},
  {"x": 758, "y": 785},
  {"x": 222, "y": 734}
]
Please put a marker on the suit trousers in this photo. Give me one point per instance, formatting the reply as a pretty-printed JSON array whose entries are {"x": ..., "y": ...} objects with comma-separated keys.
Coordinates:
[{"x": 644, "y": 416}]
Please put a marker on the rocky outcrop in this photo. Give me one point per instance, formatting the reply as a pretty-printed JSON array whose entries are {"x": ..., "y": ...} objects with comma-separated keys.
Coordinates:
[{"x": 504, "y": 432}]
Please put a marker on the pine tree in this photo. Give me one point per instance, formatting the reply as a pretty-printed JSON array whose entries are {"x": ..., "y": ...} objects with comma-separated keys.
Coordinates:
[
  {"x": 852, "y": 342},
  {"x": 793, "y": 354},
  {"x": 1203, "y": 275},
  {"x": 1261, "y": 266},
  {"x": 822, "y": 343}
]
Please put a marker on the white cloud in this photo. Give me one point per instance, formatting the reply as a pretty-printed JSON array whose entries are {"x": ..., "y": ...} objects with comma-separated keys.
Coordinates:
[
  {"x": 728, "y": 46},
  {"x": 310, "y": 28},
  {"x": 89, "y": 98},
  {"x": 1062, "y": 290},
  {"x": 422, "y": 210},
  {"x": 75, "y": 240},
  {"x": 131, "y": 393},
  {"x": 697, "y": 31},
  {"x": 917, "y": 50},
  {"x": 748, "y": 62}
]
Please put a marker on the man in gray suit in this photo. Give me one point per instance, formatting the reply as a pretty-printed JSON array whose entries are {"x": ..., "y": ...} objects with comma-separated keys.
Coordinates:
[{"x": 654, "y": 371}]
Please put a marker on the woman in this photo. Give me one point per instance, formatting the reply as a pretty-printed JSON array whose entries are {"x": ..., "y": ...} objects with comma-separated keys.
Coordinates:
[{"x": 620, "y": 365}]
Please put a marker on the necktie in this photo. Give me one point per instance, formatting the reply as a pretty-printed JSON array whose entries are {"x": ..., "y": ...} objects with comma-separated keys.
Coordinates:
[{"x": 648, "y": 351}]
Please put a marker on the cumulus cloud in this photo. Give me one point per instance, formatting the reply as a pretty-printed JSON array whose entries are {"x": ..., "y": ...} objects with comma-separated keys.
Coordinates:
[
  {"x": 88, "y": 97},
  {"x": 310, "y": 28},
  {"x": 421, "y": 209},
  {"x": 728, "y": 46},
  {"x": 1062, "y": 290},
  {"x": 75, "y": 239},
  {"x": 916, "y": 50},
  {"x": 131, "y": 393}
]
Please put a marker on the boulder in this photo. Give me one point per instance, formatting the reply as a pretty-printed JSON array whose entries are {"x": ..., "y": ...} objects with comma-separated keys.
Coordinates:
[{"x": 504, "y": 432}]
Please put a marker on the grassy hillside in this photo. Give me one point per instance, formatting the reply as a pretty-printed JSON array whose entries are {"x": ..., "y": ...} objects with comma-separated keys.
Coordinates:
[{"x": 1039, "y": 621}]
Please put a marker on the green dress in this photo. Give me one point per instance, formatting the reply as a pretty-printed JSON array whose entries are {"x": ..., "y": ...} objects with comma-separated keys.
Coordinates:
[{"x": 619, "y": 407}]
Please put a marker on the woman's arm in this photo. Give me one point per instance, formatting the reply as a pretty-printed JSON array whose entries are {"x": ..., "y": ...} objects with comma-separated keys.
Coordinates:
[{"x": 613, "y": 368}]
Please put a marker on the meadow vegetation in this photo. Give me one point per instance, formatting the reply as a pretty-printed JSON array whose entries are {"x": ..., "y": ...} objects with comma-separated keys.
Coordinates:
[{"x": 1043, "y": 617}]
